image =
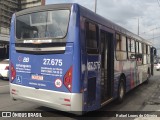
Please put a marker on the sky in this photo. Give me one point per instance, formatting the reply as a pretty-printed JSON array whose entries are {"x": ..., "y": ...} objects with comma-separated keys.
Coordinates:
[{"x": 126, "y": 13}]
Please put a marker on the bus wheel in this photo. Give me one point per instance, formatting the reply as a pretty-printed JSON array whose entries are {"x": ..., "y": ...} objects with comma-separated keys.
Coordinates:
[
  {"x": 121, "y": 91},
  {"x": 148, "y": 76}
]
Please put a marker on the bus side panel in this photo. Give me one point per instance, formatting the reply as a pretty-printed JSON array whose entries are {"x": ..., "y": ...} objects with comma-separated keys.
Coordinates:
[
  {"x": 128, "y": 69},
  {"x": 83, "y": 63},
  {"x": 89, "y": 76},
  {"x": 73, "y": 35},
  {"x": 130, "y": 74},
  {"x": 134, "y": 74}
]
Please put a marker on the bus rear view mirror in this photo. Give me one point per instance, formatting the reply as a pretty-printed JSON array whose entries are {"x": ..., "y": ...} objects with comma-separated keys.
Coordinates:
[{"x": 155, "y": 52}]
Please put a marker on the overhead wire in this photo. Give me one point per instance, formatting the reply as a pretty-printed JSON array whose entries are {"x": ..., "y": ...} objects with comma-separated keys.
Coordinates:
[
  {"x": 150, "y": 30},
  {"x": 154, "y": 37}
]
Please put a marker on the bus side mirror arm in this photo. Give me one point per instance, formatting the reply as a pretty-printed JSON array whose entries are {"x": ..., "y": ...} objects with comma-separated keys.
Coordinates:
[{"x": 155, "y": 52}]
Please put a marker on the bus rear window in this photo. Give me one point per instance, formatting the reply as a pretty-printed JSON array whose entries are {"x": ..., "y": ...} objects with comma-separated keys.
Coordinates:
[{"x": 47, "y": 24}]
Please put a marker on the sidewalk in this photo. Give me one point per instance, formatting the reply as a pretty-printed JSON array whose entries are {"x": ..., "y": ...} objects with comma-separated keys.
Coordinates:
[
  {"x": 155, "y": 98},
  {"x": 152, "y": 105}
]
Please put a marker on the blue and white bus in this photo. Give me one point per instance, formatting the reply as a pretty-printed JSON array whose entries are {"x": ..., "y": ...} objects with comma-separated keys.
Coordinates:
[{"x": 68, "y": 58}]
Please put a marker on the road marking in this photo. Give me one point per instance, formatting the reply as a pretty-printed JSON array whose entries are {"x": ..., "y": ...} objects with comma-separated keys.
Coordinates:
[{"x": 4, "y": 86}]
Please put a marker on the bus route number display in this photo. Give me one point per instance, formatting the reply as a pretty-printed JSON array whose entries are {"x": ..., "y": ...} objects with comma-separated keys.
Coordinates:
[{"x": 53, "y": 62}]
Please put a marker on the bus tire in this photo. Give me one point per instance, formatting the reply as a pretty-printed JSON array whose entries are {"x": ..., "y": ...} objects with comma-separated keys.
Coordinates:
[
  {"x": 148, "y": 76},
  {"x": 121, "y": 90},
  {"x": 147, "y": 81}
]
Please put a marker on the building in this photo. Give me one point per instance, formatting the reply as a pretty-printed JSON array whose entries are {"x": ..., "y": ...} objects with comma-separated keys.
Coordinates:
[
  {"x": 31, "y": 3},
  {"x": 7, "y": 8}
]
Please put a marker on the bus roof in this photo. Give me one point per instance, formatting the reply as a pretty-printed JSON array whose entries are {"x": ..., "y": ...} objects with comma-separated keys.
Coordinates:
[{"x": 44, "y": 7}]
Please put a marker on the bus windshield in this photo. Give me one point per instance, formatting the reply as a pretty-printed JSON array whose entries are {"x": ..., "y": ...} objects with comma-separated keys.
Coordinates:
[{"x": 46, "y": 24}]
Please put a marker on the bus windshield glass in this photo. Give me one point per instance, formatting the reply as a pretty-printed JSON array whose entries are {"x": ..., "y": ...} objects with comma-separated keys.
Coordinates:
[{"x": 47, "y": 24}]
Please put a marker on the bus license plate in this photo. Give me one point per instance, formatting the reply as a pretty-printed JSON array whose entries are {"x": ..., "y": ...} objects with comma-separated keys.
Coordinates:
[{"x": 37, "y": 77}]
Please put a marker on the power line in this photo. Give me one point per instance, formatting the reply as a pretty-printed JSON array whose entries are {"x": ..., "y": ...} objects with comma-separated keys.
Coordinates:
[
  {"x": 154, "y": 37},
  {"x": 150, "y": 30}
]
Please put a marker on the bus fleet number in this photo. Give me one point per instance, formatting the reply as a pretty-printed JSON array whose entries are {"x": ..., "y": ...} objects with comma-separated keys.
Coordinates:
[{"x": 54, "y": 62}]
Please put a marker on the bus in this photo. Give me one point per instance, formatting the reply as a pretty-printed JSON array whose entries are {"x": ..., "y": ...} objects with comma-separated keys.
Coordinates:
[{"x": 68, "y": 58}]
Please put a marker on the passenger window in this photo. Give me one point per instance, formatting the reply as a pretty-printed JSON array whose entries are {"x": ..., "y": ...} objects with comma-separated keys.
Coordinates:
[
  {"x": 145, "y": 57},
  {"x": 139, "y": 55},
  {"x": 149, "y": 50},
  {"x": 148, "y": 55},
  {"x": 140, "y": 47},
  {"x": 144, "y": 48},
  {"x": 121, "y": 53},
  {"x": 129, "y": 44},
  {"x": 131, "y": 48},
  {"x": 91, "y": 38},
  {"x": 137, "y": 47},
  {"x": 121, "y": 43},
  {"x": 118, "y": 47}
]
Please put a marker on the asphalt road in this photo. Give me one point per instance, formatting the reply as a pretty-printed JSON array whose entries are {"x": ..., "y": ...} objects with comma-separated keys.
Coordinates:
[{"x": 135, "y": 100}]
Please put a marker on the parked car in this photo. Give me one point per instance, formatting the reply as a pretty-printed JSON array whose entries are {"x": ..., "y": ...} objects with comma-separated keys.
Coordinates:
[
  {"x": 4, "y": 68},
  {"x": 157, "y": 66}
]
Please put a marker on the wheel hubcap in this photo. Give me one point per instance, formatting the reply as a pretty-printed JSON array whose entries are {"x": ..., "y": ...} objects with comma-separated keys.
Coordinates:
[{"x": 121, "y": 91}]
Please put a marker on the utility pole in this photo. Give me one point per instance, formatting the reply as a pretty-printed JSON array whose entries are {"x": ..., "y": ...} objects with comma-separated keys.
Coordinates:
[
  {"x": 153, "y": 36},
  {"x": 95, "y": 7},
  {"x": 138, "y": 26}
]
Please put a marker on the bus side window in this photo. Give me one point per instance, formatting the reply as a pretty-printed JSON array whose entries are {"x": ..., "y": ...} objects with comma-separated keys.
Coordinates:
[
  {"x": 139, "y": 53},
  {"x": 144, "y": 54},
  {"x": 148, "y": 55},
  {"x": 91, "y": 38},
  {"x": 137, "y": 47},
  {"x": 121, "y": 53},
  {"x": 131, "y": 49}
]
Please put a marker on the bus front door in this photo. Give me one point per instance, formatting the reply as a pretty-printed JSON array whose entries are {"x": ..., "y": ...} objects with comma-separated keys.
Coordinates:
[{"x": 106, "y": 66}]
